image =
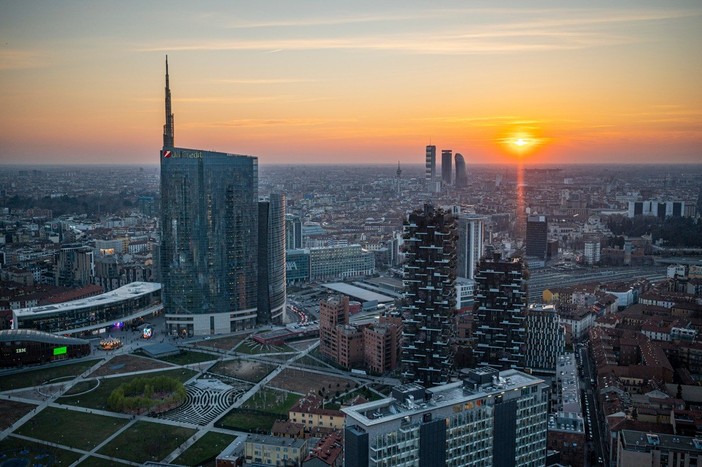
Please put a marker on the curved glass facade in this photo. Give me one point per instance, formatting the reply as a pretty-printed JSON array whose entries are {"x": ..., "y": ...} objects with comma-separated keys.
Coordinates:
[
  {"x": 271, "y": 254},
  {"x": 209, "y": 241}
]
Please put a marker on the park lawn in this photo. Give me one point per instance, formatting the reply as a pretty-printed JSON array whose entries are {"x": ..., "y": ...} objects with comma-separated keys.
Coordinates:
[
  {"x": 60, "y": 456},
  {"x": 248, "y": 421},
  {"x": 94, "y": 461},
  {"x": 271, "y": 401},
  {"x": 187, "y": 357},
  {"x": 71, "y": 428},
  {"x": 97, "y": 399},
  {"x": 205, "y": 449},
  {"x": 146, "y": 441},
  {"x": 37, "y": 377}
]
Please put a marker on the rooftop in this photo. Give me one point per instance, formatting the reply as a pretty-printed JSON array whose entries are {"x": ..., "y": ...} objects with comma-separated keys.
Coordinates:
[
  {"x": 380, "y": 411},
  {"x": 131, "y": 290}
]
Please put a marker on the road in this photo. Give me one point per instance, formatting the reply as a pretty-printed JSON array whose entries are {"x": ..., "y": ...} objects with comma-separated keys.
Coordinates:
[{"x": 595, "y": 421}]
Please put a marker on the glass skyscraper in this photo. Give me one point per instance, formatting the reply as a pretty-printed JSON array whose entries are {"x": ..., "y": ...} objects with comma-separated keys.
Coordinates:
[
  {"x": 209, "y": 216},
  {"x": 271, "y": 259},
  {"x": 209, "y": 237}
]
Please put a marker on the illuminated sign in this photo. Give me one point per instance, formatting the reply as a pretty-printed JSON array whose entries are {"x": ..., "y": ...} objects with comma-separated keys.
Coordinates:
[
  {"x": 60, "y": 350},
  {"x": 22, "y": 350},
  {"x": 148, "y": 332},
  {"x": 180, "y": 154}
]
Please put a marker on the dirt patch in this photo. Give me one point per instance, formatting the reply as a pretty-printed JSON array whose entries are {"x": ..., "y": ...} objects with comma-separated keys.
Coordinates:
[
  {"x": 128, "y": 363},
  {"x": 302, "y": 382},
  {"x": 243, "y": 369},
  {"x": 11, "y": 411}
]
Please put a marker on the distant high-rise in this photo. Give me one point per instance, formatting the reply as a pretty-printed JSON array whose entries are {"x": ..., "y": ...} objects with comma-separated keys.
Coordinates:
[
  {"x": 446, "y": 168},
  {"x": 430, "y": 167},
  {"x": 209, "y": 238},
  {"x": 293, "y": 232},
  {"x": 536, "y": 236},
  {"x": 429, "y": 296},
  {"x": 469, "y": 248},
  {"x": 271, "y": 259},
  {"x": 461, "y": 179},
  {"x": 500, "y": 313}
]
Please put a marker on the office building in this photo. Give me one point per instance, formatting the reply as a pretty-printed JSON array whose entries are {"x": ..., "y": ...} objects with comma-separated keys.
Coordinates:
[
  {"x": 469, "y": 248},
  {"x": 446, "y": 168},
  {"x": 660, "y": 209},
  {"x": 340, "y": 262},
  {"x": 591, "y": 252},
  {"x": 500, "y": 313},
  {"x": 297, "y": 266},
  {"x": 429, "y": 276},
  {"x": 432, "y": 180},
  {"x": 75, "y": 266},
  {"x": 430, "y": 166},
  {"x": 271, "y": 259},
  {"x": 293, "y": 232},
  {"x": 461, "y": 178},
  {"x": 490, "y": 418},
  {"x": 536, "y": 236},
  {"x": 545, "y": 339},
  {"x": 209, "y": 238}
]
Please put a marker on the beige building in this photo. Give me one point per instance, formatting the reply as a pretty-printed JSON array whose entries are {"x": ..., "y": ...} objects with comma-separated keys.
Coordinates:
[{"x": 271, "y": 450}]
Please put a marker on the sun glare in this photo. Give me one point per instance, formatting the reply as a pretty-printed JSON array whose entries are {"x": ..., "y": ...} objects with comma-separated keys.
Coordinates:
[{"x": 521, "y": 142}]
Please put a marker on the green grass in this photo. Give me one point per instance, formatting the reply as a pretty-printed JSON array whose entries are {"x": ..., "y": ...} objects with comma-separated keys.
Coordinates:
[
  {"x": 82, "y": 386},
  {"x": 97, "y": 399},
  {"x": 259, "y": 412},
  {"x": 146, "y": 441},
  {"x": 37, "y": 377},
  {"x": 60, "y": 456},
  {"x": 272, "y": 401},
  {"x": 252, "y": 422},
  {"x": 71, "y": 428},
  {"x": 204, "y": 449},
  {"x": 187, "y": 357}
]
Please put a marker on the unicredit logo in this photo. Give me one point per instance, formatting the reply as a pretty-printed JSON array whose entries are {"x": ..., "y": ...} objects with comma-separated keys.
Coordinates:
[{"x": 167, "y": 154}]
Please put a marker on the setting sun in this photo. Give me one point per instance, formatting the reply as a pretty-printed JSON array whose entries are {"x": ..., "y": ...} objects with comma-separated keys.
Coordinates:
[{"x": 521, "y": 142}]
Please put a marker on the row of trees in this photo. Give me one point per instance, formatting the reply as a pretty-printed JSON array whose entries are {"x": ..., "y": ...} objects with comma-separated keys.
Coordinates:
[
  {"x": 674, "y": 231},
  {"x": 141, "y": 395}
]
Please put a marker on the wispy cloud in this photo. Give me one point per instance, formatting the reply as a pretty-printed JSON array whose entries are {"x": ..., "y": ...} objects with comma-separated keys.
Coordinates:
[
  {"x": 542, "y": 30},
  {"x": 269, "y": 122},
  {"x": 265, "y": 81},
  {"x": 16, "y": 59}
]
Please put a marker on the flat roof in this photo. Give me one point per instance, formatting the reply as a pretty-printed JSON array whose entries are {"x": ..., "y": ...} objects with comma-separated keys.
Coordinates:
[
  {"x": 380, "y": 411},
  {"x": 11, "y": 335},
  {"x": 131, "y": 290},
  {"x": 357, "y": 292},
  {"x": 642, "y": 441}
]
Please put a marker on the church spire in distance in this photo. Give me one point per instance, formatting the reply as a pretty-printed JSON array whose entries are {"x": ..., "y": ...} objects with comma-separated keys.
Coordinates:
[{"x": 168, "y": 128}]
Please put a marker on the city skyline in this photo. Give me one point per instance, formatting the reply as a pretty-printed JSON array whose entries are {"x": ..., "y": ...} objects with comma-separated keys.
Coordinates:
[{"x": 320, "y": 83}]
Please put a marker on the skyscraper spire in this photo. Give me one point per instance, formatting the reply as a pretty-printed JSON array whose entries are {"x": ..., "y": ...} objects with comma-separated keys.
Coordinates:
[{"x": 168, "y": 128}]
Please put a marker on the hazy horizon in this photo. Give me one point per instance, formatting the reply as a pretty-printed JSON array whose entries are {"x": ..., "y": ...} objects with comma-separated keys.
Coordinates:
[{"x": 319, "y": 82}]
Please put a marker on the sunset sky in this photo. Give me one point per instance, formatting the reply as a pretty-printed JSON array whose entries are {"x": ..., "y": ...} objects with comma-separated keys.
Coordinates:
[{"x": 353, "y": 82}]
